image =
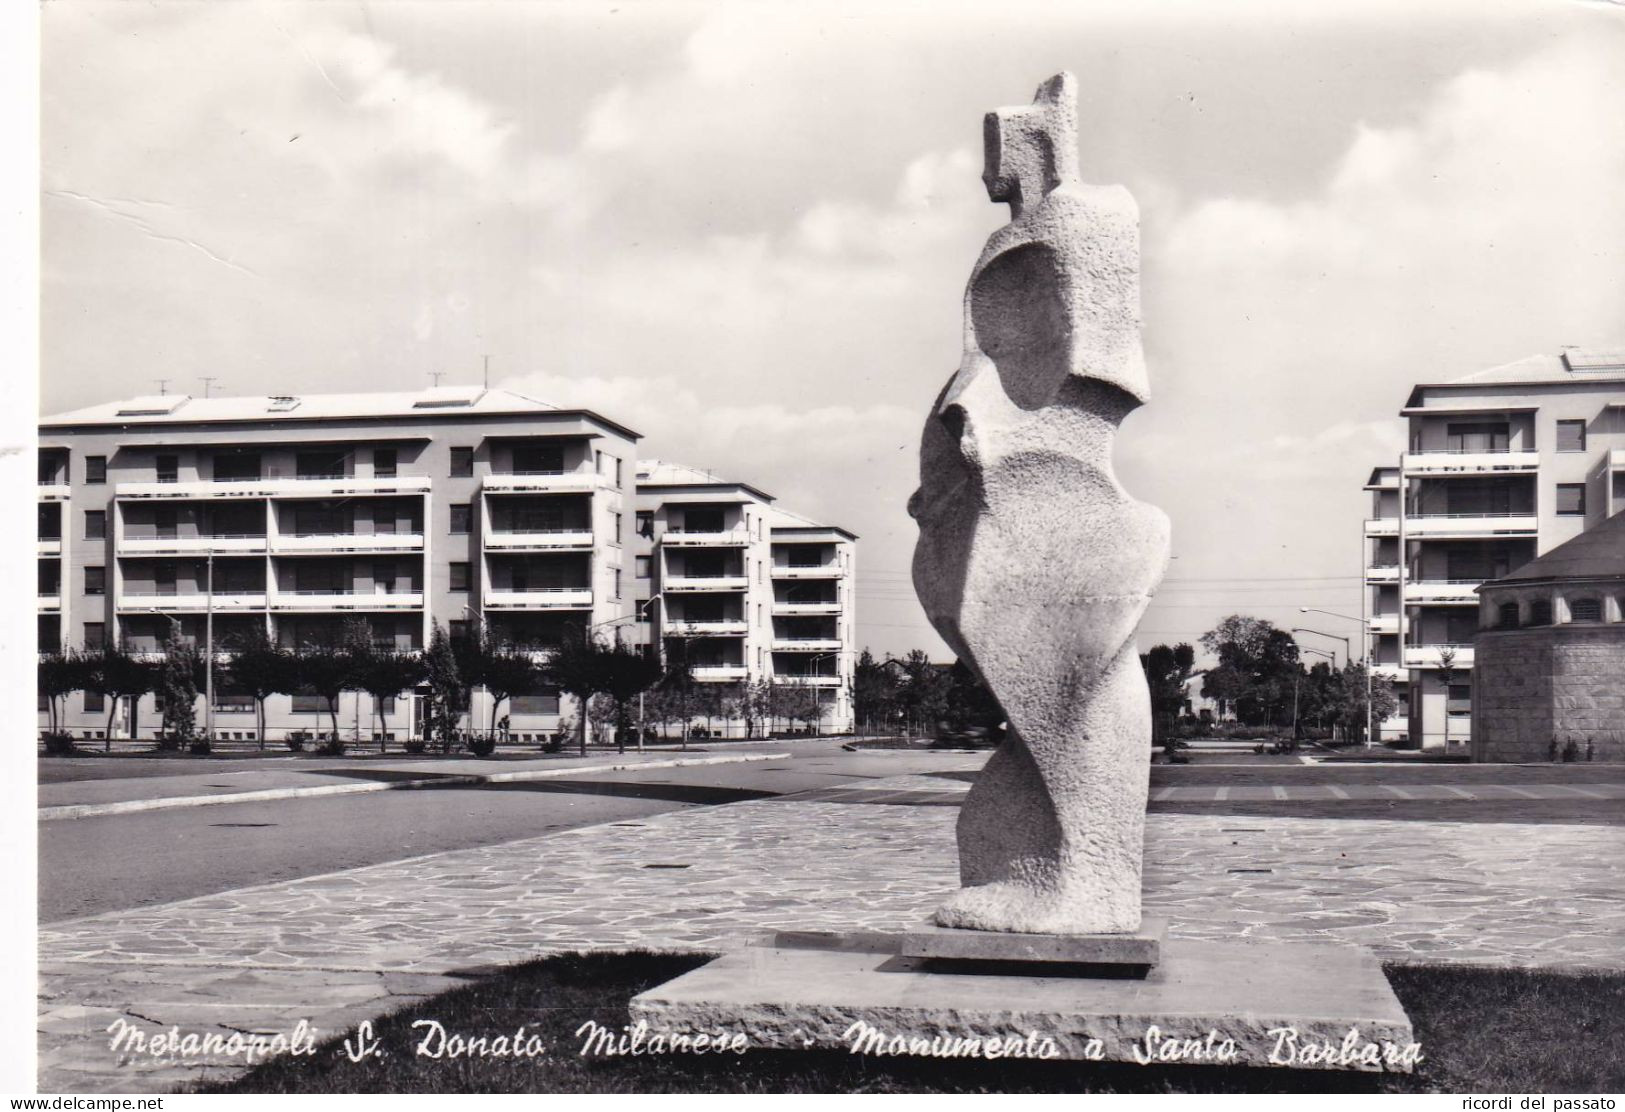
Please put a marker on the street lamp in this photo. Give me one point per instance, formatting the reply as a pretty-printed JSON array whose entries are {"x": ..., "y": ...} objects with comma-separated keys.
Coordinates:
[
  {"x": 1348, "y": 644},
  {"x": 1366, "y": 661},
  {"x": 818, "y": 722}
]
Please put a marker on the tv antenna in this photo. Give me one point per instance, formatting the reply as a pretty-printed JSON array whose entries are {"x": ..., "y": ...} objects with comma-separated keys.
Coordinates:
[
  {"x": 208, "y": 381},
  {"x": 487, "y": 359},
  {"x": 436, "y": 375},
  {"x": 163, "y": 386}
]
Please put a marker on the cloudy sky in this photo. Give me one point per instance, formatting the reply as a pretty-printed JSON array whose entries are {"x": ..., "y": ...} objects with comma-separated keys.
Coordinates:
[{"x": 744, "y": 230}]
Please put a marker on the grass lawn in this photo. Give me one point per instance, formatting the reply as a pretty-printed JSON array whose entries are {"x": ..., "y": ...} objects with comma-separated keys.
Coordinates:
[{"x": 1481, "y": 1030}]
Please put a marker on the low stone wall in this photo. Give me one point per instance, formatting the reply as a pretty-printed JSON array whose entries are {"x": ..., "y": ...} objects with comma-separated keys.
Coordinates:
[{"x": 1533, "y": 685}]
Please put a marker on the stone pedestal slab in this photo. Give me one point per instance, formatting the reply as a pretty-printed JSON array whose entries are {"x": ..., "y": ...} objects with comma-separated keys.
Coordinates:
[
  {"x": 1216, "y": 1003},
  {"x": 1135, "y": 948}
]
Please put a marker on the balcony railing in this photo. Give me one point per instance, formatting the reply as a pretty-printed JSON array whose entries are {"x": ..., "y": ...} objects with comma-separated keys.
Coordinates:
[
  {"x": 1457, "y": 525},
  {"x": 1393, "y": 672},
  {"x": 807, "y": 680},
  {"x": 806, "y": 571},
  {"x": 729, "y": 582},
  {"x": 129, "y": 545},
  {"x": 681, "y": 538},
  {"x": 541, "y": 482},
  {"x": 338, "y": 486},
  {"x": 49, "y": 602},
  {"x": 718, "y": 673},
  {"x": 192, "y": 601},
  {"x": 1382, "y": 527},
  {"x": 1427, "y": 656},
  {"x": 513, "y": 540},
  {"x": 538, "y": 598},
  {"x": 298, "y": 543},
  {"x": 1616, "y": 459},
  {"x": 678, "y": 627},
  {"x": 321, "y": 600},
  {"x": 49, "y": 546},
  {"x": 806, "y": 644},
  {"x": 1469, "y": 461},
  {"x": 832, "y": 606},
  {"x": 1442, "y": 591},
  {"x": 54, "y": 492},
  {"x": 1385, "y": 623},
  {"x": 1382, "y": 573}
]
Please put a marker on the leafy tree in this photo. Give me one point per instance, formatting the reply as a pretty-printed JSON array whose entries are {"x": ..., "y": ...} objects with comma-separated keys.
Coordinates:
[
  {"x": 506, "y": 671},
  {"x": 672, "y": 698},
  {"x": 384, "y": 675},
  {"x": 923, "y": 695},
  {"x": 181, "y": 669},
  {"x": 59, "y": 675},
  {"x": 1225, "y": 685},
  {"x": 473, "y": 651},
  {"x": 445, "y": 689},
  {"x": 970, "y": 703},
  {"x": 874, "y": 691},
  {"x": 1166, "y": 670},
  {"x": 1447, "y": 676},
  {"x": 580, "y": 670},
  {"x": 629, "y": 672},
  {"x": 260, "y": 668}
]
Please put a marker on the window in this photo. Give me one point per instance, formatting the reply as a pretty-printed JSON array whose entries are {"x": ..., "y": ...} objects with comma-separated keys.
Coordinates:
[
  {"x": 1508, "y": 616},
  {"x": 459, "y": 629},
  {"x": 1540, "y": 613},
  {"x": 383, "y": 463},
  {"x": 617, "y": 533},
  {"x": 646, "y": 523},
  {"x": 233, "y": 703},
  {"x": 386, "y": 705},
  {"x": 93, "y": 702},
  {"x": 546, "y": 703},
  {"x": 50, "y": 521},
  {"x": 644, "y": 568},
  {"x": 236, "y": 466},
  {"x": 95, "y": 469},
  {"x": 538, "y": 459},
  {"x": 95, "y": 525},
  {"x": 598, "y": 462},
  {"x": 459, "y": 577},
  {"x": 95, "y": 634},
  {"x": 50, "y": 577},
  {"x": 50, "y": 469},
  {"x": 1585, "y": 610},
  {"x": 1459, "y": 699},
  {"x": 702, "y": 521},
  {"x": 383, "y": 518},
  {"x": 163, "y": 521},
  {"x": 95, "y": 580},
  {"x": 1477, "y": 436},
  {"x": 462, "y": 516},
  {"x": 383, "y": 575},
  {"x": 1571, "y": 499},
  {"x": 617, "y": 582},
  {"x": 617, "y": 474},
  {"x": 320, "y": 465},
  {"x": 168, "y": 469},
  {"x": 1571, "y": 436},
  {"x": 462, "y": 463},
  {"x": 309, "y": 704}
]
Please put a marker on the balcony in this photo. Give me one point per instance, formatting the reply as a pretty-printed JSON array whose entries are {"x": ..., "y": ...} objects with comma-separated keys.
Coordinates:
[
  {"x": 1470, "y": 525},
  {"x": 696, "y": 583},
  {"x": 806, "y": 644},
  {"x": 1442, "y": 592},
  {"x": 328, "y": 601},
  {"x": 1391, "y": 672},
  {"x": 541, "y": 482},
  {"x": 1385, "y": 623},
  {"x": 1616, "y": 459},
  {"x": 523, "y": 541},
  {"x": 1382, "y": 527},
  {"x": 719, "y": 673},
  {"x": 330, "y": 486},
  {"x": 676, "y": 539},
  {"x": 731, "y": 627},
  {"x": 808, "y": 681},
  {"x": 1382, "y": 573},
  {"x": 539, "y": 598},
  {"x": 194, "y": 545},
  {"x": 790, "y": 609},
  {"x": 1427, "y": 656},
  {"x": 49, "y": 603},
  {"x": 49, "y": 546},
  {"x": 192, "y": 602},
  {"x": 815, "y": 571},
  {"x": 53, "y": 492},
  {"x": 297, "y": 544},
  {"x": 1476, "y": 462}
]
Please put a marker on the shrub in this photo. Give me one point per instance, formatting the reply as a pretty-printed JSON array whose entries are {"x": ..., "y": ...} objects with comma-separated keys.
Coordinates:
[
  {"x": 482, "y": 745},
  {"x": 200, "y": 747},
  {"x": 414, "y": 745},
  {"x": 59, "y": 744},
  {"x": 332, "y": 747},
  {"x": 167, "y": 742},
  {"x": 296, "y": 741},
  {"x": 554, "y": 744},
  {"x": 1571, "y": 752}
]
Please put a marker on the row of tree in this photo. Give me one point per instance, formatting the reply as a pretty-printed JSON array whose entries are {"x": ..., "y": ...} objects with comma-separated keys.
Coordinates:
[
  {"x": 1260, "y": 680},
  {"x": 918, "y": 696},
  {"x": 608, "y": 679}
]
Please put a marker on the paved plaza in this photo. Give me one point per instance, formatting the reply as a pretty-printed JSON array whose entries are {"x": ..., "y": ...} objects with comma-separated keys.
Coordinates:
[{"x": 337, "y": 948}]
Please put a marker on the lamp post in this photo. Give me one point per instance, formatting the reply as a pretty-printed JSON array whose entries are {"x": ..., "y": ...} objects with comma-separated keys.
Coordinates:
[
  {"x": 1366, "y": 659},
  {"x": 638, "y": 612},
  {"x": 818, "y": 721}
]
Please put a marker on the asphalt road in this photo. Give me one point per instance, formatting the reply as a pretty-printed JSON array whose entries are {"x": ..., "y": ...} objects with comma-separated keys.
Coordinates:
[{"x": 88, "y": 866}]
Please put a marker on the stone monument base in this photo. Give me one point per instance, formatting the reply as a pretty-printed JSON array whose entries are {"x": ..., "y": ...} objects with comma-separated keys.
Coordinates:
[{"x": 1202, "y": 1003}]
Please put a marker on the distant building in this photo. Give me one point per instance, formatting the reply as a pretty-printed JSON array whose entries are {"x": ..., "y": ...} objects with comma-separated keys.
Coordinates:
[
  {"x": 458, "y": 505},
  {"x": 747, "y": 591},
  {"x": 1503, "y": 465}
]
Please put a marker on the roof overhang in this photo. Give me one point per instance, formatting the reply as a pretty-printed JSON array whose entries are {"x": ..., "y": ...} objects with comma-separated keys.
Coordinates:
[{"x": 1413, "y": 410}]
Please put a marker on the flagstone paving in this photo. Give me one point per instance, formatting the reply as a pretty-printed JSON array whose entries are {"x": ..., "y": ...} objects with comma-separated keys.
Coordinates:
[{"x": 333, "y": 949}]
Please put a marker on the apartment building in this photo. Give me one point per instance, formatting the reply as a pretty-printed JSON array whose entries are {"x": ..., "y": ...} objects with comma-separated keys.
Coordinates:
[
  {"x": 1502, "y": 466},
  {"x": 743, "y": 590},
  {"x": 296, "y": 515}
]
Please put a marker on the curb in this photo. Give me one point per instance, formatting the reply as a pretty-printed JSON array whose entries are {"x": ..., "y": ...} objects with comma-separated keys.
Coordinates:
[{"x": 131, "y": 806}]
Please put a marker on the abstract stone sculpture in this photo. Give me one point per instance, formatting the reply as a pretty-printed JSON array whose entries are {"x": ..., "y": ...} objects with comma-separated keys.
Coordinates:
[{"x": 1032, "y": 562}]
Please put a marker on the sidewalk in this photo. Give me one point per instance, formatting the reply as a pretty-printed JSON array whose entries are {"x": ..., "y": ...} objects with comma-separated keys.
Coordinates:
[
  {"x": 86, "y": 798},
  {"x": 334, "y": 949}
]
